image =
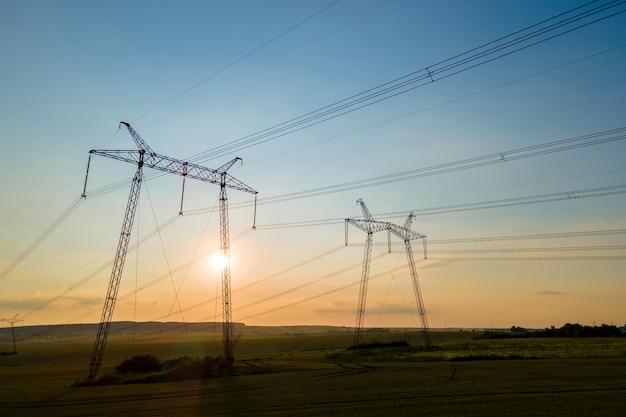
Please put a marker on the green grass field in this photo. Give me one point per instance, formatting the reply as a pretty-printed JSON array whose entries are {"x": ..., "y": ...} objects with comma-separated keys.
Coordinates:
[{"x": 310, "y": 373}]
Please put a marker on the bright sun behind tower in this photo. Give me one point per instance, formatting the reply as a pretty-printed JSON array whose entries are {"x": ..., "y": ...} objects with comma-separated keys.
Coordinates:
[{"x": 218, "y": 261}]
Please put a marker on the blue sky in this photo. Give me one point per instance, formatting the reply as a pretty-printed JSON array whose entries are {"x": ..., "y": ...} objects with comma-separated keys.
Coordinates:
[{"x": 191, "y": 76}]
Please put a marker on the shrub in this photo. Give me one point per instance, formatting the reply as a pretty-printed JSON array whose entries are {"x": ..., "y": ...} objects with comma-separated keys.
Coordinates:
[
  {"x": 139, "y": 364},
  {"x": 215, "y": 367}
]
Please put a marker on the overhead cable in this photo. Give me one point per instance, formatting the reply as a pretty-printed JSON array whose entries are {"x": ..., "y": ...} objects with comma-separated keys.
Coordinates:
[{"x": 535, "y": 34}]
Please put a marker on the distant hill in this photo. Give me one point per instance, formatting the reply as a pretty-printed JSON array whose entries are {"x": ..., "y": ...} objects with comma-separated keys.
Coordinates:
[
  {"x": 55, "y": 331},
  {"x": 120, "y": 328}
]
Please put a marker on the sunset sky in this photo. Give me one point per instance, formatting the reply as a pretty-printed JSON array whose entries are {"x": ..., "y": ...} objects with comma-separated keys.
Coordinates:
[{"x": 518, "y": 233}]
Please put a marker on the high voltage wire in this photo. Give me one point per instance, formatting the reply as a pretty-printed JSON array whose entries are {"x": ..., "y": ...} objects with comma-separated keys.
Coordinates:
[
  {"x": 586, "y": 233},
  {"x": 476, "y": 162},
  {"x": 354, "y": 283},
  {"x": 537, "y": 236},
  {"x": 494, "y": 158},
  {"x": 561, "y": 145},
  {"x": 457, "y": 64},
  {"x": 428, "y": 73},
  {"x": 304, "y": 285},
  {"x": 535, "y": 258},
  {"x": 104, "y": 266},
  {"x": 101, "y": 268},
  {"x": 575, "y": 234},
  {"x": 155, "y": 174},
  {"x": 540, "y": 249},
  {"x": 590, "y": 139},
  {"x": 455, "y": 100},
  {"x": 506, "y": 202}
]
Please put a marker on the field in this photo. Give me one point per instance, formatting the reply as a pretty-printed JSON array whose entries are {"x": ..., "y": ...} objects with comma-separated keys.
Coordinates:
[{"x": 308, "y": 372}]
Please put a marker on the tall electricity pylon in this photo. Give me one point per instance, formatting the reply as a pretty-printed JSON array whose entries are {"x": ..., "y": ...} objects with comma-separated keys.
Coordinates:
[
  {"x": 146, "y": 157},
  {"x": 371, "y": 226},
  {"x": 12, "y": 322}
]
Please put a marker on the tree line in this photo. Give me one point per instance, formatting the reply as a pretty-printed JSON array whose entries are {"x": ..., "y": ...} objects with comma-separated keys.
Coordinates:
[{"x": 567, "y": 330}]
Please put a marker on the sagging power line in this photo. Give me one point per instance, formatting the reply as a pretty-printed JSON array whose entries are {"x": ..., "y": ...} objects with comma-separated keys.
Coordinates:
[{"x": 548, "y": 29}]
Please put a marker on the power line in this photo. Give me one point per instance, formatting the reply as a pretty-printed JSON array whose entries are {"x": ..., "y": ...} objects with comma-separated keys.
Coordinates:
[
  {"x": 494, "y": 158},
  {"x": 475, "y": 162},
  {"x": 533, "y": 258},
  {"x": 452, "y": 66},
  {"x": 532, "y": 249},
  {"x": 455, "y": 100},
  {"x": 431, "y": 71},
  {"x": 480, "y": 205},
  {"x": 101, "y": 268},
  {"x": 559, "y": 235},
  {"x": 591, "y": 139},
  {"x": 521, "y": 153},
  {"x": 571, "y": 234}
]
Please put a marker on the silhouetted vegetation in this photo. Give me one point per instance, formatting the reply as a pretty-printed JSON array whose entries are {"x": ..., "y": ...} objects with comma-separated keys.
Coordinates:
[
  {"x": 567, "y": 330},
  {"x": 144, "y": 369},
  {"x": 486, "y": 357},
  {"x": 139, "y": 364},
  {"x": 375, "y": 344}
]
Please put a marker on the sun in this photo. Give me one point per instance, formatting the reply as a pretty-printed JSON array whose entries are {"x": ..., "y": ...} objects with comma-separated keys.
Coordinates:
[{"x": 218, "y": 261}]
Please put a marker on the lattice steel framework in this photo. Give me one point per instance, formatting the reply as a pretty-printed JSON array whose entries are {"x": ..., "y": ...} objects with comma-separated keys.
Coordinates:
[
  {"x": 371, "y": 226},
  {"x": 146, "y": 157},
  {"x": 12, "y": 321}
]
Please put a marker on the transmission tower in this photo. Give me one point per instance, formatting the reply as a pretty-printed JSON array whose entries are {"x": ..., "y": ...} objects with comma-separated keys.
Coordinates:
[
  {"x": 146, "y": 157},
  {"x": 12, "y": 322},
  {"x": 371, "y": 226}
]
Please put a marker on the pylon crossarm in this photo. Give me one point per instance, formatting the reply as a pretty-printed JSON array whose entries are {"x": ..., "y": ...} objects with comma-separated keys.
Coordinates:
[
  {"x": 404, "y": 233},
  {"x": 176, "y": 166},
  {"x": 368, "y": 226}
]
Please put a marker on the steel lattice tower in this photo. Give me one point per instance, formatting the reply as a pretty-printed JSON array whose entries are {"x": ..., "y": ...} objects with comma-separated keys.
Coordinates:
[
  {"x": 12, "y": 322},
  {"x": 146, "y": 157},
  {"x": 371, "y": 226}
]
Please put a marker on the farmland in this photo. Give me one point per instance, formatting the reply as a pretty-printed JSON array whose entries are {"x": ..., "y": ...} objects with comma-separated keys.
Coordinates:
[{"x": 307, "y": 371}]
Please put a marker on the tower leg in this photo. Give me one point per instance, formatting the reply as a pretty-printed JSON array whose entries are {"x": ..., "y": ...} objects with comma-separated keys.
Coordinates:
[
  {"x": 14, "y": 342},
  {"x": 418, "y": 293},
  {"x": 360, "y": 311},
  {"x": 116, "y": 275},
  {"x": 226, "y": 292}
]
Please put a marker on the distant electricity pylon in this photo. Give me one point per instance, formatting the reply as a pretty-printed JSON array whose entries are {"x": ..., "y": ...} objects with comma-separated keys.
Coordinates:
[
  {"x": 371, "y": 226},
  {"x": 12, "y": 322},
  {"x": 145, "y": 156}
]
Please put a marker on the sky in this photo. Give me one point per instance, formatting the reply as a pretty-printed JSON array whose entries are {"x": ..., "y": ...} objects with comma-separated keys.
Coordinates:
[{"x": 531, "y": 238}]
